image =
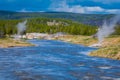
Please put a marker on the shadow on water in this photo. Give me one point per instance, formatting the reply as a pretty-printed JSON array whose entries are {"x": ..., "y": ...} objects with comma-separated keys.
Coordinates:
[{"x": 55, "y": 60}]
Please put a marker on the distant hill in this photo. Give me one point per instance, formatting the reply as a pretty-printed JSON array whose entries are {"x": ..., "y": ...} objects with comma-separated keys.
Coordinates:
[{"x": 92, "y": 19}]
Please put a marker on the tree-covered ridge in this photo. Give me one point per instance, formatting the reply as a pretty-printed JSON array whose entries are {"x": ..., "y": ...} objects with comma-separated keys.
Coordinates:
[
  {"x": 48, "y": 25},
  {"x": 66, "y": 26},
  {"x": 91, "y": 19}
]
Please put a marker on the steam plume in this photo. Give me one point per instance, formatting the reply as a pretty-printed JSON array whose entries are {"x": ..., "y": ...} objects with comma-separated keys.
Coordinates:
[
  {"x": 107, "y": 28},
  {"x": 21, "y": 27}
]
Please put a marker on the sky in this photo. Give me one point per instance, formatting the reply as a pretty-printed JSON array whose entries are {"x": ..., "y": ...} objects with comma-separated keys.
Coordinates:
[{"x": 74, "y": 6}]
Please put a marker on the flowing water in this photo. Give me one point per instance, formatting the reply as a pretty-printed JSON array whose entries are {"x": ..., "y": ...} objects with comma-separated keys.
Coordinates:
[{"x": 55, "y": 60}]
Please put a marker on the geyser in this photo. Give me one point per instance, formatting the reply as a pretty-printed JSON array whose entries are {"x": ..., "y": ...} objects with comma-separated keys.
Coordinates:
[
  {"x": 21, "y": 27},
  {"x": 107, "y": 28}
]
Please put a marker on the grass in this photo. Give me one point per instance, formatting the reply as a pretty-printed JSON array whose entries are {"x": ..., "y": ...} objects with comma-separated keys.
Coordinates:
[
  {"x": 108, "y": 52},
  {"x": 110, "y": 47},
  {"x": 78, "y": 39},
  {"x": 8, "y": 42}
]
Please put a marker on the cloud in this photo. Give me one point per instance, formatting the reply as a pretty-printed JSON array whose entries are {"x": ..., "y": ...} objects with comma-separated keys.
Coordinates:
[
  {"x": 107, "y": 1},
  {"x": 115, "y": 11},
  {"x": 64, "y": 7},
  {"x": 23, "y": 10}
]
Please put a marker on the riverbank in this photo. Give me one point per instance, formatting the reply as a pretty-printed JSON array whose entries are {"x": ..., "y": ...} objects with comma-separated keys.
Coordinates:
[
  {"x": 110, "y": 47},
  {"x": 8, "y": 42}
]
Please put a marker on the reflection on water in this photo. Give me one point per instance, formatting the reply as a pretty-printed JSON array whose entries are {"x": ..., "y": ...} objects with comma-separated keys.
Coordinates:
[{"x": 55, "y": 60}]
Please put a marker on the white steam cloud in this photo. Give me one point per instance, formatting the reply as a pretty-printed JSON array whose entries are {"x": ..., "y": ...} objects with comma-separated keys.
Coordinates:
[
  {"x": 21, "y": 27},
  {"x": 107, "y": 28}
]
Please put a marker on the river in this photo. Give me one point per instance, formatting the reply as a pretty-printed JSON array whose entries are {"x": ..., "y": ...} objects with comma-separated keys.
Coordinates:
[{"x": 55, "y": 60}]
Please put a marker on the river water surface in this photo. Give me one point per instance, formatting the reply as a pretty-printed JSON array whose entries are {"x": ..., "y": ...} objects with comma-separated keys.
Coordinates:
[{"x": 55, "y": 60}]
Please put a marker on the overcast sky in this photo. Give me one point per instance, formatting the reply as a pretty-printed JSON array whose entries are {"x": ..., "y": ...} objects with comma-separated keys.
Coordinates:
[{"x": 75, "y": 6}]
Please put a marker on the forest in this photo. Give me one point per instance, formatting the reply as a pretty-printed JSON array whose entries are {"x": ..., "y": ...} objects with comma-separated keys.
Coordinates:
[
  {"x": 50, "y": 26},
  {"x": 90, "y": 19},
  {"x": 47, "y": 25}
]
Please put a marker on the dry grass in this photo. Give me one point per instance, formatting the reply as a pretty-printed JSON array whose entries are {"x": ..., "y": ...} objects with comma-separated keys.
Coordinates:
[
  {"x": 8, "y": 42},
  {"x": 108, "y": 52},
  {"x": 110, "y": 47},
  {"x": 79, "y": 39}
]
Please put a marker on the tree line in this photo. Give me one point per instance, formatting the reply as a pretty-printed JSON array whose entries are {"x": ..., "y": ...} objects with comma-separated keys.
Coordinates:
[{"x": 49, "y": 25}]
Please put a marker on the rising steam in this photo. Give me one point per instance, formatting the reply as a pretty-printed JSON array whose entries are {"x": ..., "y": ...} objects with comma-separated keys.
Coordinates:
[
  {"x": 21, "y": 27},
  {"x": 107, "y": 28}
]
